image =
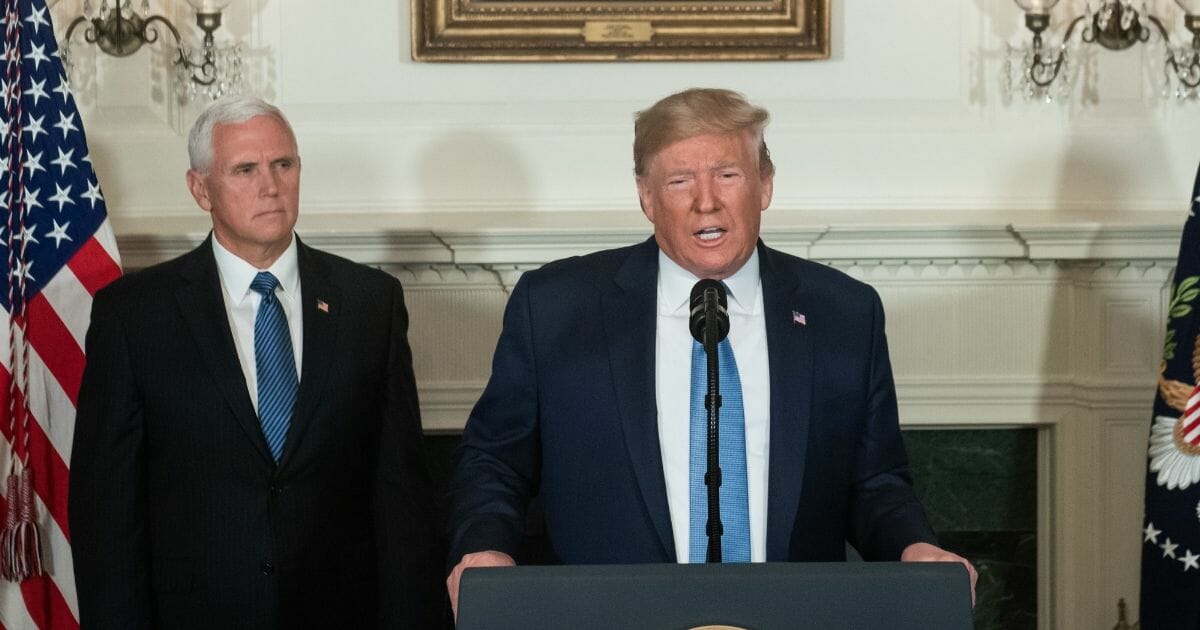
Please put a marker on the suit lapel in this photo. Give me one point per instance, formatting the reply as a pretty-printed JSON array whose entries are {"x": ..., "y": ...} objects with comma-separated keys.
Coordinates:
[
  {"x": 630, "y": 314},
  {"x": 790, "y": 352},
  {"x": 319, "y": 339},
  {"x": 202, "y": 305}
]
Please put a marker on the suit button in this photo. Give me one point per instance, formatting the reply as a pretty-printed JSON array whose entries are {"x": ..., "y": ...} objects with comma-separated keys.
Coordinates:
[{"x": 267, "y": 568}]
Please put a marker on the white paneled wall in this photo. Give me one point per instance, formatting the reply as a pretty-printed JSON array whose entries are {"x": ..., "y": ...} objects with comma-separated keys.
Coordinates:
[
  {"x": 908, "y": 117},
  {"x": 1022, "y": 250}
]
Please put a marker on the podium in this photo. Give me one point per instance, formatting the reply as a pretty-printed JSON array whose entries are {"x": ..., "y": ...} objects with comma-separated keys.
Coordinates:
[{"x": 852, "y": 596}]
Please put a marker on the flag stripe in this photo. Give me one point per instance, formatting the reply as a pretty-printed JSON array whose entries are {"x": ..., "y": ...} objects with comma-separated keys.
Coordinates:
[
  {"x": 59, "y": 562},
  {"x": 42, "y": 595},
  {"x": 52, "y": 475},
  {"x": 12, "y": 607},
  {"x": 1192, "y": 410},
  {"x": 44, "y": 602},
  {"x": 1190, "y": 424},
  {"x": 64, "y": 293},
  {"x": 50, "y": 406},
  {"x": 63, "y": 357},
  {"x": 93, "y": 266},
  {"x": 30, "y": 600},
  {"x": 5, "y": 342},
  {"x": 108, "y": 242},
  {"x": 57, "y": 555},
  {"x": 48, "y": 400}
]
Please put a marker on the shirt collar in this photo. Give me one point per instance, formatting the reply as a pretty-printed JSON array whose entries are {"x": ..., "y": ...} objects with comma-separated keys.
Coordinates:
[
  {"x": 237, "y": 274},
  {"x": 675, "y": 287}
]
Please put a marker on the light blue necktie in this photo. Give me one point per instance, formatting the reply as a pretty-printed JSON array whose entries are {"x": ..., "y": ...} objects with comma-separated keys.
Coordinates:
[
  {"x": 275, "y": 364},
  {"x": 735, "y": 501}
]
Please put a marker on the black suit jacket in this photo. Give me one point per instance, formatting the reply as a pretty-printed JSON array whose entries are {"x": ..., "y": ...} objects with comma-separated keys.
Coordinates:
[
  {"x": 570, "y": 413},
  {"x": 180, "y": 517}
]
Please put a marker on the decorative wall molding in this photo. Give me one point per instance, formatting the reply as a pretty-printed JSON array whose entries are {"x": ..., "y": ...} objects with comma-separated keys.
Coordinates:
[
  {"x": 1099, "y": 242},
  {"x": 969, "y": 403},
  {"x": 905, "y": 241},
  {"x": 534, "y": 238},
  {"x": 441, "y": 277}
]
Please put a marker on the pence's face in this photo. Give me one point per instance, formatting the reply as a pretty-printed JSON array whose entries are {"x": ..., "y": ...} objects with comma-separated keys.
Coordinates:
[{"x": 252, "y": 187}]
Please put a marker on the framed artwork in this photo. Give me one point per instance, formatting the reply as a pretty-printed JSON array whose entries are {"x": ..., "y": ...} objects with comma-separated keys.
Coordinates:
[{"x": 619, "y": 30}]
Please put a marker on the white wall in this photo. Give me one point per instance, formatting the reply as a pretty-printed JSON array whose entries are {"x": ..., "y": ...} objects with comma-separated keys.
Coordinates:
[
  {"x": 908, "y": 115},
  {"x": 1022, "y": 249}
]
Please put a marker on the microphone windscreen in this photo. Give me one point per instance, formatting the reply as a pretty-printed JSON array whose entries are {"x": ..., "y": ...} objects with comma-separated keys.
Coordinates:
[{"x": 703, "y": 291}]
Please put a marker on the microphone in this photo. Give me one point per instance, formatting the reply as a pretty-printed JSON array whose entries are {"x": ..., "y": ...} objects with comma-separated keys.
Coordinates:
[
  {"x": 709, "y": 296},
  {"x": 709, "y": 323}
]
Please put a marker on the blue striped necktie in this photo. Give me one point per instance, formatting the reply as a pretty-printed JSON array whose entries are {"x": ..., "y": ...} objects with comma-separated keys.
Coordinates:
[
  {"x": 735, "y": 501},
  {"x": 275, "y": 363}
]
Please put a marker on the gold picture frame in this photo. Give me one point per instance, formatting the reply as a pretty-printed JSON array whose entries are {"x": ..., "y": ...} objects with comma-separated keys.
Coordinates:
[{"x": 619, "y": 30}]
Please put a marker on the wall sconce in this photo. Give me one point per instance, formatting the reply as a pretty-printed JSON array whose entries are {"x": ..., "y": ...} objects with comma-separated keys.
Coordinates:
[
  {"x": 1115, "y": 25},
  {"x": 117, "y": 30}
]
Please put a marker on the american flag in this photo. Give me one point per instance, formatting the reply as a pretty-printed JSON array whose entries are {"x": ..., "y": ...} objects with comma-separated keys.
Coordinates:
[{"x": 59, "y": 249}]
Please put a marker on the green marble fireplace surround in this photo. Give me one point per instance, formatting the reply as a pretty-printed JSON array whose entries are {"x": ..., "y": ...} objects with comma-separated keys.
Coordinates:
[{"x": 980, "y": 489}]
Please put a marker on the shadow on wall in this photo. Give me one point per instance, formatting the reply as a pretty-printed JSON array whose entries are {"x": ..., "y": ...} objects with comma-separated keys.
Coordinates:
[
  {"x": 1121, "y": 341},
  {"x": 475, "y": 169},
  {"x": 453, "y": 333},
  {"x": 466, "y": 170}
]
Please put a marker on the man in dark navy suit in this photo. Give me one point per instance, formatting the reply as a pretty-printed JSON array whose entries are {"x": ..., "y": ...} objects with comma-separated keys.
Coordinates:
[
  {"x": 592, "y": 405},
  {"x": 247, "y": 448}
]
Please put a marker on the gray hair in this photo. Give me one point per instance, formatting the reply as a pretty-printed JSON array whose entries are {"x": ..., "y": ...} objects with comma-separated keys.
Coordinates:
[{"x": 229, "y": 110}]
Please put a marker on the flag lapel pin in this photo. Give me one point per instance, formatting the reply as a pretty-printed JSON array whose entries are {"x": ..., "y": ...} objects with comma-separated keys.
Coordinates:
[
  {"x": 323, "y": 306},
  {"x": 799, "y": 319}
]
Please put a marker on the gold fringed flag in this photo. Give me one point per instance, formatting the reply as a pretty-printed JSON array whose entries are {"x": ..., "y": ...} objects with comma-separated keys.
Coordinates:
[{"x": 1171, "y": 535}]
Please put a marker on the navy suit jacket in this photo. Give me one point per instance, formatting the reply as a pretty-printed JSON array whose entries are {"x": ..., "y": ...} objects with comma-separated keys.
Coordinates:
[
  {"x": 570, "y": 414},
  {"x": 180, "y": 516}
]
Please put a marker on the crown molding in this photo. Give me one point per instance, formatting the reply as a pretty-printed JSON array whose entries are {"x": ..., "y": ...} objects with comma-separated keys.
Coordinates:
[{"x": 501, "y": 238}]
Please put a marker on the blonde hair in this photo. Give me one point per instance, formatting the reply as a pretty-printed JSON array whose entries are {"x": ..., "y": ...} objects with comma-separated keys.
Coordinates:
[{"x": 696, "y": 112}]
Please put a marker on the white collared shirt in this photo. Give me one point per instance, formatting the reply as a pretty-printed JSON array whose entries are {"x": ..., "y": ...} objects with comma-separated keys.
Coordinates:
[
  {"x": 241, "y": 305},
  {"x": 673, "y": 386}
]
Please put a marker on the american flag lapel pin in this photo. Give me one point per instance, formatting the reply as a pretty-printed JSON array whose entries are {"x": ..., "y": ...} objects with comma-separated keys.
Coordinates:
[
  {"x": 799, "y": 319},
  {"x": 323, "y": 306}
]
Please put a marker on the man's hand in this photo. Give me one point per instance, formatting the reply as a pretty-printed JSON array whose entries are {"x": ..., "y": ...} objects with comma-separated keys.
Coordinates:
[
  {"x": 499, "y": 559},
  {"x": 925, "y": 552}
]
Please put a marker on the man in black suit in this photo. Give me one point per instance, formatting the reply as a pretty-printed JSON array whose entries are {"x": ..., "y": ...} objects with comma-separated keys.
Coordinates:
[
  {"x": 588, "y": 403},
  {"x": 248, "y": 442}
]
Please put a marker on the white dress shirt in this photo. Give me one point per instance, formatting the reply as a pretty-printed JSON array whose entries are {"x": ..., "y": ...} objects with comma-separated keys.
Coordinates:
[
  {"x": 241, "y": 305},
  {"x": 673, "y": 387}
]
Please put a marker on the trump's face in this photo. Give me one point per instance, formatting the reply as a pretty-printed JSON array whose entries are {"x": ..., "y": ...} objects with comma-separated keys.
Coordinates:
[
  {"x": 705, "y": 197},
  {"x": 252, "y": 188}
]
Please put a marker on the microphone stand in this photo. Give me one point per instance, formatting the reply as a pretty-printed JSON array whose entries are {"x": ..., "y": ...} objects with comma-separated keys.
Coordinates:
[{"x": 712, "y": 403}]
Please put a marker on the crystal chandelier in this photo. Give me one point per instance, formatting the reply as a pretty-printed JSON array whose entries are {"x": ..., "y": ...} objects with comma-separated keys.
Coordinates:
[
  {"x": 211, "y": 71},
  {"x": 1114, "y": 25}
]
